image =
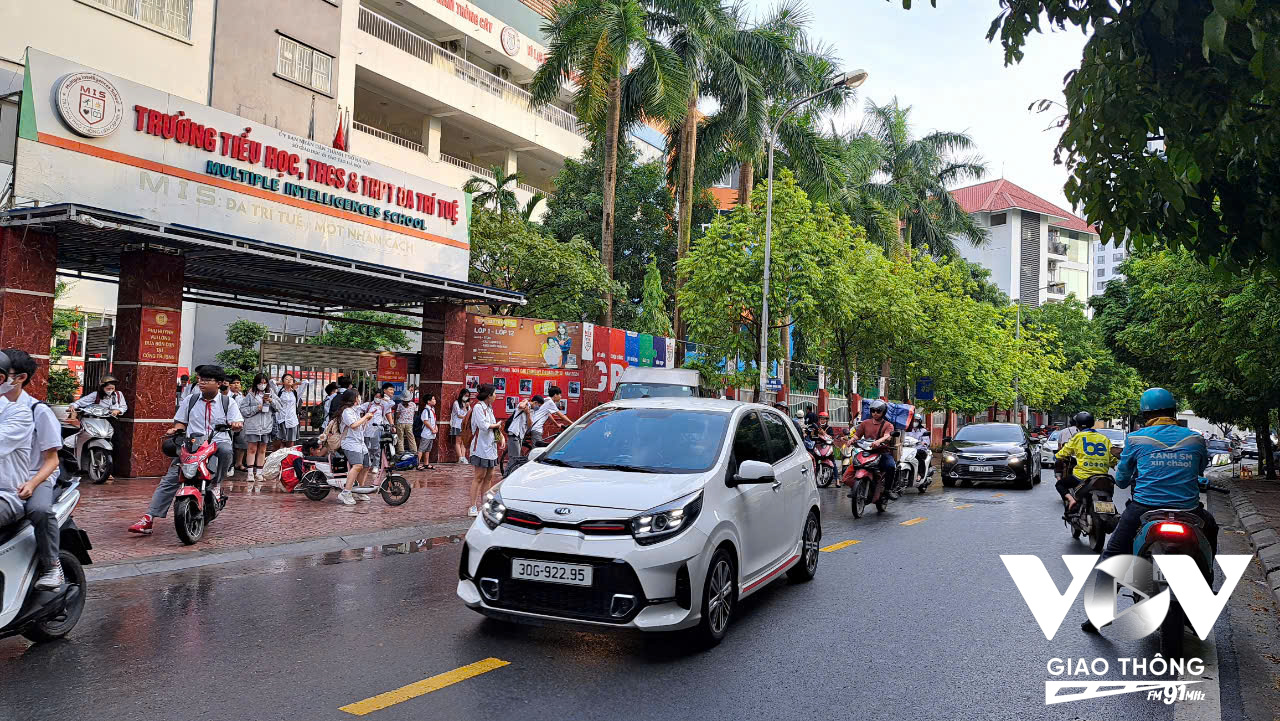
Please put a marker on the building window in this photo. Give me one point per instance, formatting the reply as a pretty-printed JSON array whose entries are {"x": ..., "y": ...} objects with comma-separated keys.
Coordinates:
[
  {"x": 169, "y": 16},
  {"x": 1102, "y": 259},
  {"x": 999, "y": 219},
  {"x": 1102, "y": 285},
  {"x": 1117, "y": 257},
  {"x": 305, "y": 65},
  {"x": 1102, "y": 272}
]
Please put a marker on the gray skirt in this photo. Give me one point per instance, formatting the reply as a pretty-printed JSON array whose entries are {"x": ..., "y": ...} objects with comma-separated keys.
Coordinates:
[
  {"x": 285, "y": 434},
  {"x": 256, "y": 437},
  {"x": 479, "y": 462}
]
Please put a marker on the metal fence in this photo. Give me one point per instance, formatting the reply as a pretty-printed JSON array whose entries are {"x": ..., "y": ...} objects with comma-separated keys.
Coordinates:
[
  {"x": 389, "y": 137},
  {"x": 424, "y": 49},
  {"x": 311, "y": 385}
]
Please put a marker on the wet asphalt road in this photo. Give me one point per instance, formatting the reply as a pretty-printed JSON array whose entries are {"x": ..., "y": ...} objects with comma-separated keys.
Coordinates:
[{"x": 912, "y": 622}]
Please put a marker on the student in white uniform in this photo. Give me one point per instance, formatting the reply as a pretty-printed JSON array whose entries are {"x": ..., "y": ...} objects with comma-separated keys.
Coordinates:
[
  {"x": 484, "y": 446},
  {"x": 430, "y": 429},
  {"x": 37, "y": 492}
]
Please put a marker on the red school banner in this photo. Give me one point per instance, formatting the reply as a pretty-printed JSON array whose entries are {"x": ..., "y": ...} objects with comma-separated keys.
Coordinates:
[{"x": 512, "y": 385}]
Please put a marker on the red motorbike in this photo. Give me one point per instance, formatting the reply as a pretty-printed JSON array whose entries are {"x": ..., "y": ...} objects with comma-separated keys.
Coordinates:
[
  {"x": 865, "y": 479},
  {"x": 194, "y": 506}
]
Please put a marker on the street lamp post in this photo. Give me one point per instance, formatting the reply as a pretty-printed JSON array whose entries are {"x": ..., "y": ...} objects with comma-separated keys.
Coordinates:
[
  {"x": 848, "y": 81},
  {"x": 1017, "y": 335}
]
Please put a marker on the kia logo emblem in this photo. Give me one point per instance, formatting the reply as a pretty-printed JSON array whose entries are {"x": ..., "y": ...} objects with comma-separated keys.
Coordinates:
[{"x": 563, "y": 511}]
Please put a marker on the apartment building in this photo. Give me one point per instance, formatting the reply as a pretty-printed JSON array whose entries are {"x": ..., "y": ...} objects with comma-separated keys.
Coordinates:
[
  {"x": 1036, "y": 252},
  {"x": 1106, "y": 263}
]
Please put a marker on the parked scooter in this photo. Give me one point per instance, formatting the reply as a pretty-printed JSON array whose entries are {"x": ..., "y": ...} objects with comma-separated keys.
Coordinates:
[
  {"x": 325, "y": 477},
  {"x": 920, "y": 471},
  {"x": 88, "y": 449},
  {"x": 863, "y": 477},
  {"x": 194, "y": 506},
  {"x": 1094, "y": 514},
  {"x": 43, "y": 615}
]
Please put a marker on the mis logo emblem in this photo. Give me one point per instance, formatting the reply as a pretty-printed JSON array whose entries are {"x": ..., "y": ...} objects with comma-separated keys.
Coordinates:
[{"x": 89, "y": 104}]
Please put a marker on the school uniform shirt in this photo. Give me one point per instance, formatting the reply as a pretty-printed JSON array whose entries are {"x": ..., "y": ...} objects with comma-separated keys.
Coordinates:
[
  {"x": 113, "y": 402},
  {"x": 288, "y": 401},
  {"x": 519, "y": 423},
  {"x": 455, "y": 417},
  {"x": 381, "y": 407},
  {"x": 482, "y": 441},
  {"x": 205, "y": 414},
  {"x": 327, "y": 400},
  {"x": 542, "y": 413},
  {"x": 428, "y": 420},
  {"x": 405, "y": 413},
  {"x": 46, "y": 433},
  {"x": 353, "y": 441},
  {"x": 16, "y": 427}
]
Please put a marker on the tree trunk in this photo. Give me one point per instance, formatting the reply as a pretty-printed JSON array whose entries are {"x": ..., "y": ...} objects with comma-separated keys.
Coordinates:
[
  {"x": 1262, "y": 431},
  {"x": 688, "y": 151},
  {"x": 746, "y": 179},
  {"x": 610, "y": 187}
]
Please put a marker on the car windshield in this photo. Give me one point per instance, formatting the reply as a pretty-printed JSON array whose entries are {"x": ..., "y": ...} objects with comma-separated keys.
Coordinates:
[
  {"x": 990, "y": 433},
  {"x": 1114, "y": 434},
  {"x": 647, "y": 440},
  {"x": 1219, "y": 445},
  {"x": 653, "y": 390}
]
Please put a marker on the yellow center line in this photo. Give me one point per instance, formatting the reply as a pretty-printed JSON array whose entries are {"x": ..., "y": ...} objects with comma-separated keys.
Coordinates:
[
  {"x": 967, "y": 505},
  {"x": 838, "y": 546},
  {"x": 913, "y": 521},
  {"x": 425, "y": 686},
  {"x": 997, "y": 495}
]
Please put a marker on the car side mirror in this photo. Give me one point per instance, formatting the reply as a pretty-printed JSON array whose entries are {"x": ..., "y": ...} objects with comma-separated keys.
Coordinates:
[
  {"x": 751, "y": 472},
  {"x": 537, "y": 452}
]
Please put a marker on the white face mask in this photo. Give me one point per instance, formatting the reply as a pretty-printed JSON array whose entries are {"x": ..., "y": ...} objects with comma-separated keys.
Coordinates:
[
  {"x": 6, "y": 387},
  {"x": 262, "y": 386}
]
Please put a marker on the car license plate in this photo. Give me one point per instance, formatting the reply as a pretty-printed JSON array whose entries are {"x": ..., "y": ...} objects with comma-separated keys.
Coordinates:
[
  {"x": 982, "y": 469},
  {"x": 1104, "y": 507},
  {"x": 549, "y": 572}
]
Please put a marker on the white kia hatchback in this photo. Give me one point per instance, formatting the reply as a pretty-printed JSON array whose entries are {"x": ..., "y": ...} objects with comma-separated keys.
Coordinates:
[{"x": 656, "y": 514}]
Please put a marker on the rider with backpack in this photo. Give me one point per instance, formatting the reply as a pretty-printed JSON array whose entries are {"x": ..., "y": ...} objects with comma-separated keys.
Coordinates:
[{"x": 345, "y": 432}]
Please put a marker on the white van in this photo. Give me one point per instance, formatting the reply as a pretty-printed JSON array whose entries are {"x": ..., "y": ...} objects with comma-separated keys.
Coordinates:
[{"x": 641, "y": 382}]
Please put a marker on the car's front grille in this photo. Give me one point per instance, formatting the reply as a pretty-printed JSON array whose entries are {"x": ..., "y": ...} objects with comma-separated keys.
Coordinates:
[
  {"x": 997, "y": 470},
  {"x": 586, "y": 603},
  {"x": 982, "y": 457}
]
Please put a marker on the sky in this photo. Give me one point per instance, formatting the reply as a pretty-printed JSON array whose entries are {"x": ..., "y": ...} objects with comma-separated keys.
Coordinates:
[{"x": 938, "y": 61}]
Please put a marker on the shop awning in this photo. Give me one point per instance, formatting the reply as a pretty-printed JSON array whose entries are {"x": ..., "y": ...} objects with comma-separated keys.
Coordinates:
[{"x": 232, "y": 269}]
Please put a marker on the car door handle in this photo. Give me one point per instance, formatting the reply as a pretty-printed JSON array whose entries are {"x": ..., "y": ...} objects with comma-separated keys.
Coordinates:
[
  {"x": 777, "y": 484},
  {"x": 804, "y": 470}
]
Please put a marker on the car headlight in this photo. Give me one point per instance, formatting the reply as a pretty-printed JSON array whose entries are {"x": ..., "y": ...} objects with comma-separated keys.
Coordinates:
[
  {"x": 1016, "y": 458},
  {"x": 492, "y": 510},
  {"x": 666, "y": 521},
  {"x": 949, "y": 458}
]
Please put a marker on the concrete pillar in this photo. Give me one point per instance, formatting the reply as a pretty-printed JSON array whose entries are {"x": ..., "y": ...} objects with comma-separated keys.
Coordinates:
[
  {"x": 511, "y": 161},
  {"x": 148, "y": 339},
  {"x": 441, "y": 366},
  {"x": 28, "y": 272},
  {"x": 431, "y": 137}
]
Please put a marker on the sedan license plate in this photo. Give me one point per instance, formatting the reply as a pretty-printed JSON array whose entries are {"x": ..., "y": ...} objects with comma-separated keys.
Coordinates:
[
  {"x": 982, "y": 469},
  {"x": 1104, "y": 507},
  {"x": 549, "y": 572}
]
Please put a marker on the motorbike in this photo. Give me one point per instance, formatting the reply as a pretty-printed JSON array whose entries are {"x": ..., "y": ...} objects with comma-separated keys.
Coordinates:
[
  {"x": 194, "y": 506},
  {"x": 43, "y": 615},
  {"x": 88, "y": 447},
  {"x": 917, "y": 478},
  {"x": 824, "y": 456},
  {"x": 863, "y": 476},
  {"x": 317, "y": 483},
  {"x": 1094, "y": 515},
  {"x": 1167, "y": 531}
]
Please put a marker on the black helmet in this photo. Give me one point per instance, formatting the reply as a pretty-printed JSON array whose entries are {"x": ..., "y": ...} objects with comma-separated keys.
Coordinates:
[
  {"x": 1083, "y": 420},
  {"x": 879, "y": 405},
  {"x": 170, "y": 445},
  {"x": 6, "y": 365}
]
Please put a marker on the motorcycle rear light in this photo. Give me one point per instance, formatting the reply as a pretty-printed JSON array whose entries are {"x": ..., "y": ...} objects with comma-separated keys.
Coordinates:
[{"x": 1172, "y": 529}]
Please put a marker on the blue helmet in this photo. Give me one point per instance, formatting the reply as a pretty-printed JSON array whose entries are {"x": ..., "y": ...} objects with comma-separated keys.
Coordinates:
[{"x": 1157, "y": 399}]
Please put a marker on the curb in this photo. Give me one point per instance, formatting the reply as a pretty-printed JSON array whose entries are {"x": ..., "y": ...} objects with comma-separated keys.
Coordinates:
[
  {"x": 1265, "y": 541},
  {"x": 423, "y": 537}
]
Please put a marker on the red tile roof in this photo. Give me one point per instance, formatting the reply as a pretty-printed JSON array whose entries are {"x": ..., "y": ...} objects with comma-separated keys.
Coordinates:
[
  {"x": 542, "y": 7},
  {"x": 996, "y": 195}
]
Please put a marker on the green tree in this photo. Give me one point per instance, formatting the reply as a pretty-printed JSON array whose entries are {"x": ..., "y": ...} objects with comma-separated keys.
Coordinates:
[
  {"x": 496, "y": 192},
  {"x": 1170, "y": 128},
  {"x": 913, "y": 175},
  {"x": 366, "y": 337},
  {"x": 560, "y": 280},
  {"x": 984, "y": 289},
  {"x": 241, "y": 362},
  {"x": 643, "y": 211},
  {"x": 601, "y": 43},
  {"x": 653, "y": 302}
]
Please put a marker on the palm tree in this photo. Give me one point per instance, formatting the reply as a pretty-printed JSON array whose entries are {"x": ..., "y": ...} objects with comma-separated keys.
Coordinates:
[
  {"x": 600, "y": 43},
  {"x": 726, "y": 60},
  {"x": 532, "y": 205},
  {"x": 913, "y": 176},
  {"x": 495, "y": 192}
]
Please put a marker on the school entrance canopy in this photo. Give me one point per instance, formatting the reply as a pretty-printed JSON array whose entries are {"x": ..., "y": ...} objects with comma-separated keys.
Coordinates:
[{"x": 228, "y": 270}]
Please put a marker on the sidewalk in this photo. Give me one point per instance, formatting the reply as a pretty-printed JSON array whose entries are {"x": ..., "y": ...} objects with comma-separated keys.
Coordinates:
[
  {"x": 270, "y": 523},
  {"x": 1257, "y": 506}
]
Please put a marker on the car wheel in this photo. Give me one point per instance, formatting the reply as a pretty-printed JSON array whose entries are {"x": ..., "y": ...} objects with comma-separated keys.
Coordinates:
[
  {"x": 948, "y": 482},
  {"x": 1023, "y": 484},
  {"x": 719, "y": 597},
  {"x": 807, "y": 567}
]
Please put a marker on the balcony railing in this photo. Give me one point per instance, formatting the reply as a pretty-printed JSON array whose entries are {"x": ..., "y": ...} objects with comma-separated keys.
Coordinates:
[
  {"x": 389, "y": 137},
  {"x": 485, "y": 172},
  {"x": 428, "y": 51}
]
